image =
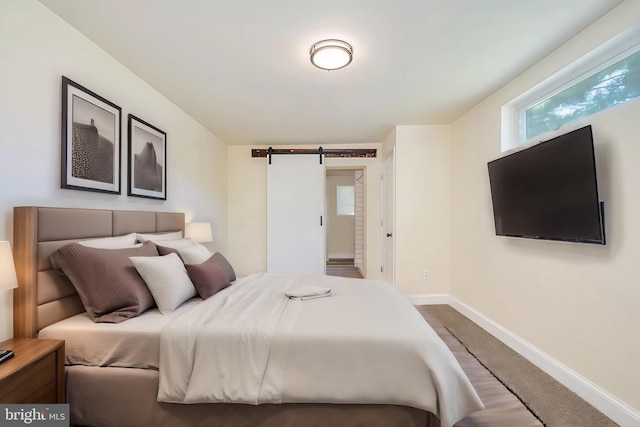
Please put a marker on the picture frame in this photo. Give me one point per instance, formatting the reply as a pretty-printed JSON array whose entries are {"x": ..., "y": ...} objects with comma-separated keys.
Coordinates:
[
  {"x": 90, "y": 140},
  {"x": 147, "y": 160}
]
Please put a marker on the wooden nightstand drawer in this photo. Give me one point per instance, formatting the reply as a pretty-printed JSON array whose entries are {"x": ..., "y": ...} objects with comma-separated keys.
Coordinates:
[
  {"x": 35, "y": 374},
  {"x": 47, "y": 394},
  {"x": 19, "y": 386}
]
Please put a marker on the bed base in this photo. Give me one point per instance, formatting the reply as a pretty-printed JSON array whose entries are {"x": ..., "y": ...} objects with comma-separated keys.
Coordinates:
[{"x": 127, "y": 397}]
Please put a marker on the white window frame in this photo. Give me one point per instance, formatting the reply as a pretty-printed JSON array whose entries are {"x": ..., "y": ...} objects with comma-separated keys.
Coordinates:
[{"x": 513, "y": 126}]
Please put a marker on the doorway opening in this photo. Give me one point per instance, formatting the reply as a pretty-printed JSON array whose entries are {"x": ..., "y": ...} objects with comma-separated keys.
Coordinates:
[{"x": 345, "y": 213}]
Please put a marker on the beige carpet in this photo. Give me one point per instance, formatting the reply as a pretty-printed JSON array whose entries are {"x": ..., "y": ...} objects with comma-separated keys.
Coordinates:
[
  {"x": 502, "y": 408},
  {"x": 550, "y": 401}
]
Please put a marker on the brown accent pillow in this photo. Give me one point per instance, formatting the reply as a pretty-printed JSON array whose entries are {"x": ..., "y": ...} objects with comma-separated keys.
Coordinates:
[
  {"x": 165, "y": 247},
  {"x": 106, "y": 280},
  {"x": 224, "y": 265},
  {"x": 165, "y": 250},
  {"x": 207, "y": 277}
]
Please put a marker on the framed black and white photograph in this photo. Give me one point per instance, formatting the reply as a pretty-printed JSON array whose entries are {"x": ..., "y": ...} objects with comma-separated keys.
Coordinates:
[
  {"x": 147, "y": 160},
  {"x": 90, "y": 158}
]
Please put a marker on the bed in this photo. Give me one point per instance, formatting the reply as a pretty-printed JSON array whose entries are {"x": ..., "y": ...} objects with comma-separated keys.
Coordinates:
[{"x": 119, "y": 380}]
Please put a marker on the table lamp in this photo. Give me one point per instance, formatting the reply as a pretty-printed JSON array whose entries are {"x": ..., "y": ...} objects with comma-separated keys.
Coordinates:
[
  {"x": 8, "y": 281},
  {"x": 199, "y": 232}
]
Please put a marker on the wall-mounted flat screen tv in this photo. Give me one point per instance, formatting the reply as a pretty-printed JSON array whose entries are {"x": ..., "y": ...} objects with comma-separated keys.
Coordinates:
[{"x": 549, "y": 191}]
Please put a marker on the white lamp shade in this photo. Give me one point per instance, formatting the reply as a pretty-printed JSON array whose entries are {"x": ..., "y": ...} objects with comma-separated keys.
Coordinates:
[
  {"x": 331, "y": 54},
  {"x": 199, "y": 232},
  {"x": 8, "y": 278}
]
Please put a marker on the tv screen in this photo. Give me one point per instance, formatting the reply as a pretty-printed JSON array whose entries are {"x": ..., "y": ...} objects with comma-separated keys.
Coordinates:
[{"x": 549, "y": 191}]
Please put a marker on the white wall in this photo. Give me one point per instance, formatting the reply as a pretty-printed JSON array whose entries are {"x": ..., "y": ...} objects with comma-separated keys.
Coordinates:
[
  {"x": 577, "y": 303},
  {"x": 36, "y": 49},
  {"x": 247, "y": 204},
  {"x": 422, "y": 208}
]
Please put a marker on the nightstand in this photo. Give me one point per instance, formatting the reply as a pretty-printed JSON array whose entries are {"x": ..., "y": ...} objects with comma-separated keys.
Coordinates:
[{"x": 35, "y": 374}]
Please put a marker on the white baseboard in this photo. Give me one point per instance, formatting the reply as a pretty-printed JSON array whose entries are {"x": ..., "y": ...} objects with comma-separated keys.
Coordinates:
[
  {"x": 606, "y": 403},
  {"x": 341, "y": 256}
]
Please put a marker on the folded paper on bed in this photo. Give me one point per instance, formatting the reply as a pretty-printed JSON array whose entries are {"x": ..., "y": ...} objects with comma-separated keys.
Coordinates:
[{"x": 366, "y": 344}]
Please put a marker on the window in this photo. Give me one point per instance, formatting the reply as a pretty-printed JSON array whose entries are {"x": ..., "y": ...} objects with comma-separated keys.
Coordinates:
[
  {"x": 614, "y": 85},
  {"x": 345, "y": 200},
  {"x": 605, "y": 77}
]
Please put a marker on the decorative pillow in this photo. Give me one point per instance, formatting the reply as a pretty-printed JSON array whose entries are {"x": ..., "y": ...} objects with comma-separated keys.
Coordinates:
[
  {"x": 166, "y": 247},
  {"x": 157, "y": 237},
  {"x": 106, "y": 281},
  {"x": 208, "y": 278},
  {"x": 118, "y": 242},
  {"x": 176, "y": 244},
  {"x": 225, "y": 266},
  {"x": 167, "y": 280},
  {"x": 196, "y": 254}
]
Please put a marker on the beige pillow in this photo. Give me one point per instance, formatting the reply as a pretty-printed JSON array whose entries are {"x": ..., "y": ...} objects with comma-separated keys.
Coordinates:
[
  {"x": 167, "y": 280},
  {"x": 194, "y": 255},
  {"x": 106, "y": 281},
  {"x": 166, "y": 247},
  {"x": 116, "y": 242}
]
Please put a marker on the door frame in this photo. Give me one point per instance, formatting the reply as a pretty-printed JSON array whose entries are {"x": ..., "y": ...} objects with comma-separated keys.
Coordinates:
[
  {"x": 387, "y": 225},
  {"x": 352, "y": 169}
]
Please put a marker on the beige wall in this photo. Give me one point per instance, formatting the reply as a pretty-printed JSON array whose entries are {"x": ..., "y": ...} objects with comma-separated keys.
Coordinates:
[
  {"x": 578, "y": 303},
  {"x": 340, "y": 228},
  {"x": 247, "y": 208},
  {"x": 422, "y": 208},
  {"x": 36, "y": 49},
  {"x": 388, "y": 144}
]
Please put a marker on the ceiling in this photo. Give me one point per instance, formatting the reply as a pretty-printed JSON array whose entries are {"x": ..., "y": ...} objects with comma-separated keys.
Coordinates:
[{"x": 241, "y": 68}]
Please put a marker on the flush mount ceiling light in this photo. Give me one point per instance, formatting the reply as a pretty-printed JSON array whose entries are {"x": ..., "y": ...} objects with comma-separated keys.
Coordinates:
[{"x": 331, "y": 54}]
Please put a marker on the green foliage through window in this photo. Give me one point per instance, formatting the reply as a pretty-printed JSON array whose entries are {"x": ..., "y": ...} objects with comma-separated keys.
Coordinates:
[{"x": 612, "y": 86}]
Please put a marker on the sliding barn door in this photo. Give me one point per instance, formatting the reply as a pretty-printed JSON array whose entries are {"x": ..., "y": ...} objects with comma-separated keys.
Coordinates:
[{"x": 295, "y": 214}]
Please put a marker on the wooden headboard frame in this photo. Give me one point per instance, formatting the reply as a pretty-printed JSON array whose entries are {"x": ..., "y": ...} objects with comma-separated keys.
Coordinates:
[{"x": 45, "y": 296}]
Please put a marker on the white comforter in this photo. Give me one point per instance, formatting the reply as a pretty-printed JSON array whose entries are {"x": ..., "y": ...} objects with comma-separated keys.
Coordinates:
[{"x": 364, "y": 344}]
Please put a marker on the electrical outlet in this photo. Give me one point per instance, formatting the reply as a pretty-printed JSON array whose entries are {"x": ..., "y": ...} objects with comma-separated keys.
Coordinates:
[{"x": 425, "y": 274}]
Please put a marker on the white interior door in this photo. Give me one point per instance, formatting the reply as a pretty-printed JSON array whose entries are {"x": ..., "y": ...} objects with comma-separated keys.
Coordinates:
[
  {"x": 388, "y": 222},
  {"x": 295, "y": 214}
]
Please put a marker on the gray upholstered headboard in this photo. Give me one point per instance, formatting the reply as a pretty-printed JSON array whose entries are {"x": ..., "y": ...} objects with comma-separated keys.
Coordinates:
[{"x": 44, "y": 296}]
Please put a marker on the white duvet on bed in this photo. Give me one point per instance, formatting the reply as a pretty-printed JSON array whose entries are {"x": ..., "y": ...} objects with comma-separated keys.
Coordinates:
[{"x": 364, "y": 344}]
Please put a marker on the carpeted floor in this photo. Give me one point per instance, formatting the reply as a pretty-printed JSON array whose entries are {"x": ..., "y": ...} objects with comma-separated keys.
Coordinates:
[
  {"x": 551, "y": 402},
  {"x": 502, "y": 407}
]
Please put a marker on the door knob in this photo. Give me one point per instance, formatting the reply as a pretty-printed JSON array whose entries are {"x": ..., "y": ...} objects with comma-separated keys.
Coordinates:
[{"x": 389, "y": 234}]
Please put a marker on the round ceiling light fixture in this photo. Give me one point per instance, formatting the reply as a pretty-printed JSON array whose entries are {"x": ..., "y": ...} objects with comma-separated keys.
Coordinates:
[{"x": 331, "y": 54}]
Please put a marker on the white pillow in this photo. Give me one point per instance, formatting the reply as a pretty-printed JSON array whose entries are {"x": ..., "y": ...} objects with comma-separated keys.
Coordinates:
[
  {"x": 118, "y": 242},
  {"x": 196, "y": 254},
  {"x": 176, "y": 244},
  {"x": 167, "y": 280},
  {"x": 156, "y": 237}
]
